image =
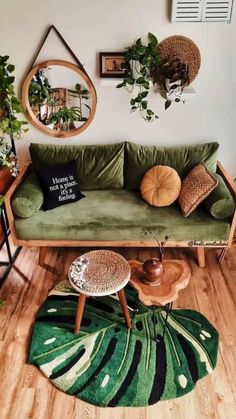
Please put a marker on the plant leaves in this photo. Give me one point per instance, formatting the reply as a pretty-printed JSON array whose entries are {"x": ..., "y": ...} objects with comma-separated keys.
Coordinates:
[
  {"x": 174, "y": 86},
  {"x": 152, "y": 38},
  {"x": 121, "y": 85},
  {"x": 140, "y": 80},
  {"x": 167, "y": 104},
  {"x": 144, "y": 104},
  {"x": 129, "y": 80},
  {"x": 10, "y": 68},
  {"x": 144, "y": 94}
]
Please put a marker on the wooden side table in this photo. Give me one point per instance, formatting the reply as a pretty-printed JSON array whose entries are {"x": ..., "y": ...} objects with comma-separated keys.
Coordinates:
[
  {"x": 176, "y": 276},
  {"x": 98, "y": 273}
]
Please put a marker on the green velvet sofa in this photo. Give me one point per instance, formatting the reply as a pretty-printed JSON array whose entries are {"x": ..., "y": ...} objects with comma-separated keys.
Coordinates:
[{"x": 113, "y": 212}]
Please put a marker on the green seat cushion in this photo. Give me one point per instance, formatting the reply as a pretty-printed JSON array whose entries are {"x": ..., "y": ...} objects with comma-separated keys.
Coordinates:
[
  {"x": 98, "y": 166},
  {"x": 140, "y": 158},
  {"x": 120, "y": 215},
  {"x": 28, "y": 198},
  {"x": 220, "y": 203}
]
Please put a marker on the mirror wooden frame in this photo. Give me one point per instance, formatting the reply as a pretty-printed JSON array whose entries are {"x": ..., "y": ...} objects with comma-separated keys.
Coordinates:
[{"x": 32, "y": 117}]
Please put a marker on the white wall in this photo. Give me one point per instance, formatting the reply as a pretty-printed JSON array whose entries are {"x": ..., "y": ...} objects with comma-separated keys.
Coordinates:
[{"x": 105, "y": 25}]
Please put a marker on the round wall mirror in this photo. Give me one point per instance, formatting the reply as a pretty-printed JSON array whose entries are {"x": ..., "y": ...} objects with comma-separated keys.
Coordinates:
[{"x": 59, "y": 98}]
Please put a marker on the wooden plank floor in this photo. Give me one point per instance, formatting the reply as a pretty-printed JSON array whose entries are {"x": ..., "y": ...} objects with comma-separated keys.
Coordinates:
[{"x": 26, "y": 393}]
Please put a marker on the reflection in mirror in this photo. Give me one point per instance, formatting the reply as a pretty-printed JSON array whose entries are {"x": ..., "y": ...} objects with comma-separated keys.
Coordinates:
[
  {"x": 60, "y": 108},
  {"x": 59, "y": 98}
]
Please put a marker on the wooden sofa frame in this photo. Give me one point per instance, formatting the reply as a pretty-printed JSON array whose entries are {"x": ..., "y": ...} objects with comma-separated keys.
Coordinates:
[{"x": 45, "y": 244}]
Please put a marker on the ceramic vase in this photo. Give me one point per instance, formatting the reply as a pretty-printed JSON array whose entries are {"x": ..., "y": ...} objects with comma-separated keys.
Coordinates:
[{"x": 153, "y": 270}]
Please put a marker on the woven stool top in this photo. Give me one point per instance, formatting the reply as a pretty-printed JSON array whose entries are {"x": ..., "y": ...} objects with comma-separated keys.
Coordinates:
[{"x": 99, "y": 272}]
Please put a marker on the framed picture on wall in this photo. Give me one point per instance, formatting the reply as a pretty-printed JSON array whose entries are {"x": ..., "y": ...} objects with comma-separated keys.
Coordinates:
[{"x": 111, "y": 64}]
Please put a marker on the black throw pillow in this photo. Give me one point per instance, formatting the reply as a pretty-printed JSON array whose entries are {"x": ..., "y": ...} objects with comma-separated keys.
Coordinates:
[{"x": 59, "y": 184}]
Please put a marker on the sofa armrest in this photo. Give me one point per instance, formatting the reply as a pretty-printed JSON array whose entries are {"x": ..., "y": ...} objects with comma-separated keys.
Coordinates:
[
  {"x": 232, "y": 187},
  {"x": 24, "y": 171},
  {"x": 227, "y": 178},
  {"x": 28, "y": 198},
  {"x": 220, "y": 203}
]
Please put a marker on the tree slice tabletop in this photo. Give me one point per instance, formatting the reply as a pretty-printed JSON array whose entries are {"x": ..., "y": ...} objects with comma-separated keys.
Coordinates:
[{"x": 175, "y": 277}]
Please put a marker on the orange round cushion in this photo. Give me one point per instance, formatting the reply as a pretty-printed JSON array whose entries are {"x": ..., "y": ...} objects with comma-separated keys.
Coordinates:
[{"x": 160, "y": 186}]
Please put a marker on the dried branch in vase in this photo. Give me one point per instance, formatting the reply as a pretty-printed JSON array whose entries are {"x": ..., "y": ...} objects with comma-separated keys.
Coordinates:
[{"x": 161, "y": 243}]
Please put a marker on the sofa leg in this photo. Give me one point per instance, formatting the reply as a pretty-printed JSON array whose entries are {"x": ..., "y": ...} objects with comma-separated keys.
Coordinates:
[
  {"x": 222, "y": 254},
  {"x": 42, "y": 256},
  {"x": 201, "y": 256},
  {"x": 41, "y": 262}
]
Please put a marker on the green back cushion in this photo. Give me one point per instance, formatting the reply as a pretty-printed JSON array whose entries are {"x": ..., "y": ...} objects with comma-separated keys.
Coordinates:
[
  {"x": 28, "y": 198},
  {"x": 140, "y": 158},
  {"x": 98, "y": 166},
  {"x": 220, "y": 203}
]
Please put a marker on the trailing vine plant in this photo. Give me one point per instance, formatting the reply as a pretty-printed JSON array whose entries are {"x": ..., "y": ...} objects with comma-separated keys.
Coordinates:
[
  {"x": 140, "y": 62},
  {"x": 10, "y": 106}
]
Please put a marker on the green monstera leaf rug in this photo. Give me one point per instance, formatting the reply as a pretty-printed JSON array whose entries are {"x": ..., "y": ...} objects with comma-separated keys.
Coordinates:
[{"x": 108, "y": 365}]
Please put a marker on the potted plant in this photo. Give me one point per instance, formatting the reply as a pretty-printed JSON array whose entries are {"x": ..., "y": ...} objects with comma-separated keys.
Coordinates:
[
  {"x": 172, "y": 76},
  {"x": 65, "y": 117},
  {"x": 10, "y": 106},
  {"x": 40, "y": 94},
  {"x": 8, "y": 160},
  {"x": 81, "y": 93},
  {"x": 140, "y": 63}
]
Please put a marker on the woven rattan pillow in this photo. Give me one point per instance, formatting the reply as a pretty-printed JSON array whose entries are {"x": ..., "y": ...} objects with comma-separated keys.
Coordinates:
[
  {"x": 196, "y": 186},
  {"x": 160, "y": 186}
]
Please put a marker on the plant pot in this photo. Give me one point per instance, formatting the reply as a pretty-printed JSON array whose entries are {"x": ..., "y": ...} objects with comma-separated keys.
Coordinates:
[
  {"x": 6, "y": 179},
  {"x": 2, "y": 113},
  {"x": 50, "y": 125}
]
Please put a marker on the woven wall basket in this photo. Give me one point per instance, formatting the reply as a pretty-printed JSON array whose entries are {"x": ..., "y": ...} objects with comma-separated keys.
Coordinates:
[{"x": 183, "y": 48}]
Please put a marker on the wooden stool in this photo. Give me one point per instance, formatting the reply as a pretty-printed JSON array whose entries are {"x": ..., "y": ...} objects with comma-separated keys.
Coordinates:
[{"x": 99, "y": 273}]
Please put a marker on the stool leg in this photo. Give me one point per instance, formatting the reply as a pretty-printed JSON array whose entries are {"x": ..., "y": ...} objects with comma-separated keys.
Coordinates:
[
  {"x": 135, "y": 309},
  {"x": 79, "y": 314},
  {"x": 123, "y": 302}
]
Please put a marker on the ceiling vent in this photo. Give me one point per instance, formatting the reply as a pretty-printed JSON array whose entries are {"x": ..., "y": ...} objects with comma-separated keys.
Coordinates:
[{"x": 201, "y": 10}]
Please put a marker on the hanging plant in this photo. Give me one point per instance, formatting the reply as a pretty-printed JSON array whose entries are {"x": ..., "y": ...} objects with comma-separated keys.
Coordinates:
[
  {"x": 140, "y": 62},
  {"x": 172, "y": 76},
  {"x": 9, "y": 104},
  {"x": 170, "y": 66}
]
